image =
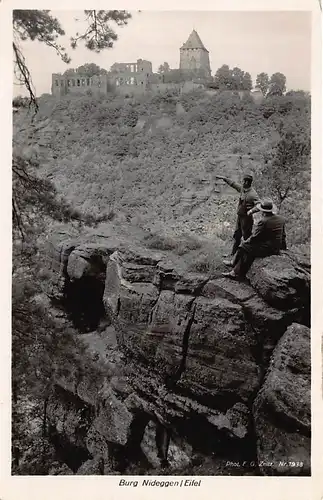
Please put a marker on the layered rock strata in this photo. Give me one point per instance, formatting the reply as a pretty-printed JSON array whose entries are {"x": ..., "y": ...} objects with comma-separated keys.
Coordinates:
[{"x": 195, "y": 365}]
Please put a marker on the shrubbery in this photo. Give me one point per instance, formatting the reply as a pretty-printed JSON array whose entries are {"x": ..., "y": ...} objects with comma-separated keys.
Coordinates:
[{"x": 100, "y": 161}]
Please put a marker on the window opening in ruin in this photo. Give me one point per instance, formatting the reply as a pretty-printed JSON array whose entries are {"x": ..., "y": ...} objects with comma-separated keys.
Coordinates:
[
  {"x": 78, "y": 83},
  {"x": 88, "y": 82},
  {"x": 73, "y": 83},
  {"x": 68, "y": 83},
  {"x": 83, "y": 82},
  {"x": 56, "y": 83},
  {"x": 62, "y": 83}
]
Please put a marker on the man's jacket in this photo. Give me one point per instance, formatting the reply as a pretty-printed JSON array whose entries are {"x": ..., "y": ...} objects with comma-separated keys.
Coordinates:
[
  {"x": 248, "y": 197},
  {"x": 268, "y": 238}
]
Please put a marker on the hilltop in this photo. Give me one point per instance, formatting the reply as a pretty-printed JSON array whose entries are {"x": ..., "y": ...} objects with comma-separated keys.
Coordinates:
[{"x": 150, "y": 161}]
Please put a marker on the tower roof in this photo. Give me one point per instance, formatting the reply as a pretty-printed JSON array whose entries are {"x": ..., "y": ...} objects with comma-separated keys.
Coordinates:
[{"x": 193, "y": 42}]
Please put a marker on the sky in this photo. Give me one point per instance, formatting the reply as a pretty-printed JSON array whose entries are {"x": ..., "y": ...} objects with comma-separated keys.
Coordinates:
[{"x": 254, "y": 41}]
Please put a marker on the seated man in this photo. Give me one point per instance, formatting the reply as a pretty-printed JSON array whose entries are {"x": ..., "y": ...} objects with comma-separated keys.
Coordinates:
[{"x": 268, "y": 239}]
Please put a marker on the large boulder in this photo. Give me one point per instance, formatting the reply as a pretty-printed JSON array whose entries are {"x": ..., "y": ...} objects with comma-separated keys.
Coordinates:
[
  {"x": 220, "y": 362},
  {"x": 113, "y": 420},
  {"x": 282, "y": 408},
  {"x": 281, "y": 281}
]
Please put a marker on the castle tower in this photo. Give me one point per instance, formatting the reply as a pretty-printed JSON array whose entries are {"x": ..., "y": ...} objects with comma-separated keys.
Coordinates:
[{"x": 194, "y": 57}]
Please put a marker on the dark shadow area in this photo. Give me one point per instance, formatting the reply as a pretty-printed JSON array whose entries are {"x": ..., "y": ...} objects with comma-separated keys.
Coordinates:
[
  {"x": 204, "y": 438},
  {"x": 83, "y": 298},
  {"x": 83, "y": 302},
  {"x": 72, "y": 455}
]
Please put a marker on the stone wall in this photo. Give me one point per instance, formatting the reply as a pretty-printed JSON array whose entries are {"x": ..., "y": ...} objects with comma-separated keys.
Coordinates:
[
  {"x": 195, "y": 60},
  {"x": 77, "y": 83}
]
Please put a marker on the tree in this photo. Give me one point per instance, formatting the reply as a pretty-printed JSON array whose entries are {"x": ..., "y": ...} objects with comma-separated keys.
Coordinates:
[
  {"x": 223, "y": 78},
  {"x": 34, "y": 198},
  {"x": 40, "y": 25},
  {"x": 237, "y": 78},
  {"x": 69, "y": 72},
  {"x": 289, "y": 159},
  {"x": 297, "y": 93},
  {"x": 88, "y": 70},
  {"x": 247, "y": 82},
  {"x": 164, "y": 68},
  {"x": 277, "y": 84},
  {"x": 262, "y": 82},
  {"x": 41, "y": 349}
]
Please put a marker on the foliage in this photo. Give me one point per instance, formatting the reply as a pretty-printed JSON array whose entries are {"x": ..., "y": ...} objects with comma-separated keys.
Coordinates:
[
  {"x": 20, "y": 102},
  {"x": 43, "y": 350},
  {"x": 105, "y": 163},
  {"x": 163, "y": 68},
  {"x": 247, "y": 82},
  {"x": 262, "y": 82},
  {"x": 236, "y": 79},
  {"x": 237, "y": 76},
  {"x": 223, "y": 78},
  {"x": 288, "y": 163},
  {"x": 179, "y": 245},
  {"x": 99, "y": 34},
  {"x": 232, "y": 79},
  {"x": 88, "y": 70},
  {"x": 277, "y": 84},
  {"x": 33, "y": 197}
]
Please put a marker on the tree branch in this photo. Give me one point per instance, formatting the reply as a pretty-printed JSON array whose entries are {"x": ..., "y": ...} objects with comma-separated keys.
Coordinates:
[{"x": 23, "y": 75}]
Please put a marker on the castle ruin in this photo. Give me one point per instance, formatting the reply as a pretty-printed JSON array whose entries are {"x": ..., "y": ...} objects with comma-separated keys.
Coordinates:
[{"x": 138, "y": 77}]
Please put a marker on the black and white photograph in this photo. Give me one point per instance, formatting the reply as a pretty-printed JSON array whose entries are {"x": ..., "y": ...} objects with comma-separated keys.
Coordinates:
[{"x": 161, "y": 245}]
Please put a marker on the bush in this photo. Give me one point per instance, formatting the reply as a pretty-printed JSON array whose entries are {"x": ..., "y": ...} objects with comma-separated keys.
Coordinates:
[
  {"x": 180, "y": 245},
  {"x": 105, "y": 161}
]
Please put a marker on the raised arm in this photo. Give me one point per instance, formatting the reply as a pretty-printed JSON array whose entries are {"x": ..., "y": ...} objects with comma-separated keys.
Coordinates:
[{"x": 233, "y": 184}]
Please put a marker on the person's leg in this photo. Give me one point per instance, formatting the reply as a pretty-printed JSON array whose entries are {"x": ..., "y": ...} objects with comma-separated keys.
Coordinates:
[
  {"x": 235, "y": 258},
  {"x": 243, "y": 264},
  {"x": 246, "y": 226},
  {"x": 237, "y": 237},
  {"x": 235, "y": 263}
]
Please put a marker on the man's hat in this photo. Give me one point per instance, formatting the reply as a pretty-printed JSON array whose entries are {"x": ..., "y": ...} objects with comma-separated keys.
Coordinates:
[
  {"x": 266, "y": 206},
  {"x": 248, "y": 176}
]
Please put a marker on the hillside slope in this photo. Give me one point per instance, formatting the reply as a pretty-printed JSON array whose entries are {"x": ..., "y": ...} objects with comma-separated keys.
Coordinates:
[{"x": 151, "y": 162}]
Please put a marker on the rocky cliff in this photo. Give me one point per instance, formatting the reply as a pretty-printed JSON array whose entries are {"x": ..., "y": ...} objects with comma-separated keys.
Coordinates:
[{"x": 200, "y": 373}]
